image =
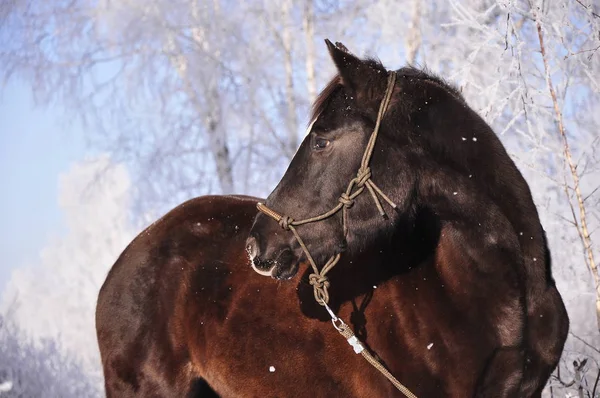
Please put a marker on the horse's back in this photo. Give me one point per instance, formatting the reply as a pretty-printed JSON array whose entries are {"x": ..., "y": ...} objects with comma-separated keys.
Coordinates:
[{"x": 139, "y": 299}]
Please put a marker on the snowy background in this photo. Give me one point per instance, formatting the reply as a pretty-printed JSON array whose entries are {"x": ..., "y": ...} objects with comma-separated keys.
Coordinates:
[{"x": 113, "y": 112}]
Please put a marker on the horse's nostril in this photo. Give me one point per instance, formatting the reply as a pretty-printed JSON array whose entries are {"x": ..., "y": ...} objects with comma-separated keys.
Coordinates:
[{"x": 251, "y": 247}]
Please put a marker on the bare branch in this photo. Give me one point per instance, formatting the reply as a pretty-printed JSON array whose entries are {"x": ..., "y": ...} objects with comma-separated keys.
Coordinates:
[
  {"x": 585, "y": 342},
  {"x": 589, "y": 8},
  {"x": 583, "y": 229}
]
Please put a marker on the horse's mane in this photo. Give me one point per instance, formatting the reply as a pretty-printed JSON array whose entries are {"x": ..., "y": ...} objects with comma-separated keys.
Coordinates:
[
  {"x": 426, "y": 76},
  {"x": 410, "y": 72}
]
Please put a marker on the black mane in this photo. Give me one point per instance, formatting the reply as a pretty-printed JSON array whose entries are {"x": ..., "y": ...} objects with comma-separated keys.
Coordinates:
[{"x": 425, "y": 76}]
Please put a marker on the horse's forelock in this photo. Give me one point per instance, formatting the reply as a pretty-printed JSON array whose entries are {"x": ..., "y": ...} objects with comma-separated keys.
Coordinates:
[{"x": 323, "y": 98}]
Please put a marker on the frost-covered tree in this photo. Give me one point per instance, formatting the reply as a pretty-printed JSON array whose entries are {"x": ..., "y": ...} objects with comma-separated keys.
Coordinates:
[
  {"x": 39, "y": 368},
  {"x": 531, "y": 69},
  {"x": 212, "y": 96},
  {"x": 55, "y": 298},
  {"x": 197, "y": 96}
]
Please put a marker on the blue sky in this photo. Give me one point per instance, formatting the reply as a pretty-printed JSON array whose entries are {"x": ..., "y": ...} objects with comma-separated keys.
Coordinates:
[{"x": 36, "y": 146}]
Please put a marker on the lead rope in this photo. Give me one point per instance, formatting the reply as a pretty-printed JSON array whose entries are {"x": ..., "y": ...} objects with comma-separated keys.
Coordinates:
[
  {"x": 358, "y": 347},
  {"x": 318, "y": 279}
]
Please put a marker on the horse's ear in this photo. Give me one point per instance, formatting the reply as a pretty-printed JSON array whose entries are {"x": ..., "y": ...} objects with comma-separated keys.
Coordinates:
[
  {"x": 349, "y": 66},
  {"x": 356, "y": 74}
]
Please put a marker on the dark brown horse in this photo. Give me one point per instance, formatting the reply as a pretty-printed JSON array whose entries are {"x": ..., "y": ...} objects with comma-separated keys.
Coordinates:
[
  {"x": 470, "y": 269},
  {"x": 452, "y": 292}
]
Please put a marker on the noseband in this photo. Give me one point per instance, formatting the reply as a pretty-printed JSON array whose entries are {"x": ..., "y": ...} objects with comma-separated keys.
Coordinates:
[{"x": 356, "y": 186}]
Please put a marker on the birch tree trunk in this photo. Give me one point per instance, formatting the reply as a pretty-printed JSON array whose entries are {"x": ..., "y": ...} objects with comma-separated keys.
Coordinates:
[
  {"x": 291, "y": 119},
  {"x": 580, "y": 223},
  {"x": 309, "y": 36},
  {"x": 217, "y": 139},
  {"x": 413, "y": 40}
]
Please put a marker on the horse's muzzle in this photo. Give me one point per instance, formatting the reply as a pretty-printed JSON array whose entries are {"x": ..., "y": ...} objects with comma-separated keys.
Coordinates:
[{"x": 279, "y": 264}]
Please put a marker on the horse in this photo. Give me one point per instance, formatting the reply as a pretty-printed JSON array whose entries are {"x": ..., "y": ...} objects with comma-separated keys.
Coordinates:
[
  {"x": 439, "y": 292},
  {"x": 465, "y": 303},
  {"x": 182, "y": 314}
]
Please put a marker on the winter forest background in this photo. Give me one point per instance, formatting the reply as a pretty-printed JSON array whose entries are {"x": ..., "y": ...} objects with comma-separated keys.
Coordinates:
[{"x": 180, "y": 98}]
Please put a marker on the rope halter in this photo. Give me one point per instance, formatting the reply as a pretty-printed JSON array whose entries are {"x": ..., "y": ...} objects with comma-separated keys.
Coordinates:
[{"x": 356, "y": 186}]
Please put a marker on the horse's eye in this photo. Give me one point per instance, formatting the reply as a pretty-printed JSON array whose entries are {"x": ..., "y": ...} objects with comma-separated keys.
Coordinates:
[{"x": 320, "y": 143}]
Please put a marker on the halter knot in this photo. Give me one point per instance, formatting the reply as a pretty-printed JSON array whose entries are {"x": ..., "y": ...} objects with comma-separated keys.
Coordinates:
[
  {"x": 346, "y": 200},
  {"x": 319, "y": 281},
  {"x": 363, "y": 175},
  {"x": 320, "y": 284},
  {"x": 285, "y": 222}
]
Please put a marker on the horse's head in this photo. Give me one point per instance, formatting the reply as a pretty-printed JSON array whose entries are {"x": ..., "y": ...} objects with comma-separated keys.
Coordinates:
[{"x": 329, "y": 158}]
